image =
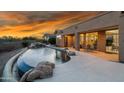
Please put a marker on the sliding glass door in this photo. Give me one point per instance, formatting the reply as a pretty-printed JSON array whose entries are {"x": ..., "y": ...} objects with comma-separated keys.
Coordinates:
[{"x": 112, "y": 41}]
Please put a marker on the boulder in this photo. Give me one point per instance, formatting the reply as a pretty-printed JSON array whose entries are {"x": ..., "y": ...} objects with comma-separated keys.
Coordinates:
[
  {"x": 48, "y": 70},
  {"x": 46, "y": 63},
  {"x": 42, "y": 70},
  {"x": 35, "y": 74},
  {"x": 71, "y": 53}
]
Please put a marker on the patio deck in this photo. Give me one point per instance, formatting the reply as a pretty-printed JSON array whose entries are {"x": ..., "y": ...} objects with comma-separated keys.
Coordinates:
[
  {"x": 107, "y": 56},
  {"x": 85, "y": 67}
]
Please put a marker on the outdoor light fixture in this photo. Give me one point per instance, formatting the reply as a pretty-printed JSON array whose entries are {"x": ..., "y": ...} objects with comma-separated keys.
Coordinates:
[{"x": 59, "y": 36}]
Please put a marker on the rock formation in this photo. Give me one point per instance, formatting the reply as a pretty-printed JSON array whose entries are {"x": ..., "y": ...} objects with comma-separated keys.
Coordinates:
[{"x": 41, "y": 71}]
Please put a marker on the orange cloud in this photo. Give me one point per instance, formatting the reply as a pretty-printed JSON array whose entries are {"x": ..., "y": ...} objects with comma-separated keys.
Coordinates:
[{"x": 35, "y": 24}]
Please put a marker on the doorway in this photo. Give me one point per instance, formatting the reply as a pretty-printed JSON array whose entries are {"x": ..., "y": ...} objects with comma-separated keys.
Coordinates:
[{"x": 91, "y": 40}]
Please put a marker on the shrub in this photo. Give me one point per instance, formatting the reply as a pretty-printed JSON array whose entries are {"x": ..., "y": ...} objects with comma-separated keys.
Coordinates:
[
  {"x": 25, "y": 43},
  {"x": 52, "y": 41}
]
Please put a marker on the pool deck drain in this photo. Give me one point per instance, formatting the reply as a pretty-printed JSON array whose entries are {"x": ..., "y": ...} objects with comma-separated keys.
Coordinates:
[{"x": 85, "y": 67}]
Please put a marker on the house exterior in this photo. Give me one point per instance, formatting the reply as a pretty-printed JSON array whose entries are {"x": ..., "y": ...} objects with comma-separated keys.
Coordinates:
[{"x": 104, "y": 32}]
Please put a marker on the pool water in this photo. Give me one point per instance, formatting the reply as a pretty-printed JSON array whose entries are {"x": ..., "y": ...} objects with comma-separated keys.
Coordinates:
[{"x": 32, "y": 57}]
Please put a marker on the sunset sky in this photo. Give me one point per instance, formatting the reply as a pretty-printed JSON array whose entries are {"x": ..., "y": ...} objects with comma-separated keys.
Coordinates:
[{"x": 36, "y": 23}]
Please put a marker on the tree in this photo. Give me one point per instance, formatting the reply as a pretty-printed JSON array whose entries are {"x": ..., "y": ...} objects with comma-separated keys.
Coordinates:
[
  {"x": 25, "y": 43},
  {"x": 52, "y": 41}
]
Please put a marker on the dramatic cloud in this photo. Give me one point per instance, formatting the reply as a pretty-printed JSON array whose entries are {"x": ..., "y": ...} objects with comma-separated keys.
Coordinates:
[{"x": 35, "y": 23}]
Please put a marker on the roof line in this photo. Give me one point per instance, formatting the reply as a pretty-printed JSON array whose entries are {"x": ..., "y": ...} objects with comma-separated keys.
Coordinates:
[{"x": 89, "y": 19}]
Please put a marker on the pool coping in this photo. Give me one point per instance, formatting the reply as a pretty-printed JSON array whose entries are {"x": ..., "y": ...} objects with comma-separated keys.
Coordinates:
[{"x": 8, "y": 69}]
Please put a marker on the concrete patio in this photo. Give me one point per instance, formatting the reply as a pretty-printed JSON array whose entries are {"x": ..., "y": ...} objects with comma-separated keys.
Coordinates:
[
  {"x": 107, "y": 56},
  {"x": 85, "y": 67}
]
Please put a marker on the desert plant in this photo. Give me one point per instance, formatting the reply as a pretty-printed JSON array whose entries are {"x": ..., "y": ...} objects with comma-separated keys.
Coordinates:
[
  {"x": 52, "y": 41},
  {"x": 25, "y": 43}
]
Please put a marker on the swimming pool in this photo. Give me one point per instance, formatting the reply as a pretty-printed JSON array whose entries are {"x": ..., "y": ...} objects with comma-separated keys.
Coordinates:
[{"x": 34, "y": 56}]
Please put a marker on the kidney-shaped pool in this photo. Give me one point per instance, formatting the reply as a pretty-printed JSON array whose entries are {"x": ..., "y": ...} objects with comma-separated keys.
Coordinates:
[{"x": 34, "y": 56}]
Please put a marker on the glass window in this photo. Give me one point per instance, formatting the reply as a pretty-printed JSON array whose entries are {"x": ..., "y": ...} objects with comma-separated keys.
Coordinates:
[
  {"x": 82, "y": 41},
  {"x": 91, "y": 40},
  {"x": 112, "y": 41}
]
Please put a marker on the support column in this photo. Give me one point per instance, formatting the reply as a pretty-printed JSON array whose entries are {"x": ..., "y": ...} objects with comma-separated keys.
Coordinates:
[
  {"x": 121, "y": 38},
  {"x": 101, "y": 43},
  {"x": 60, "y": 41},
  {"x": 70, "y": 41},
  {"x": 77, "y": 40}
]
